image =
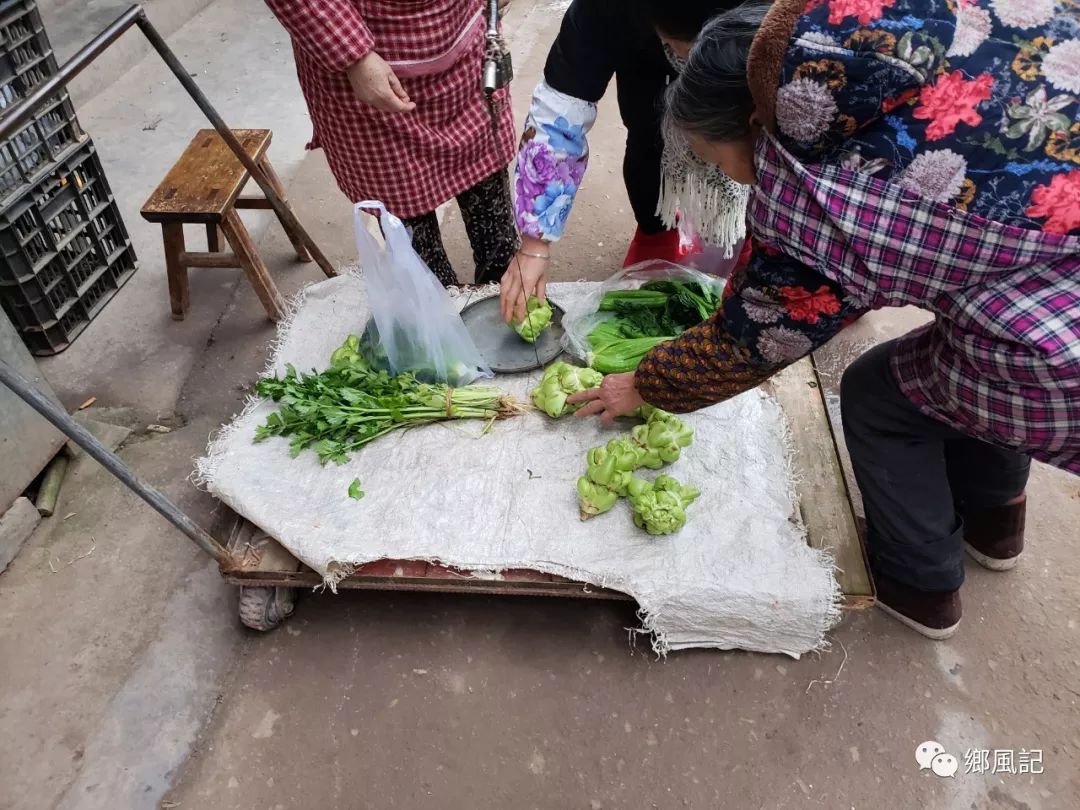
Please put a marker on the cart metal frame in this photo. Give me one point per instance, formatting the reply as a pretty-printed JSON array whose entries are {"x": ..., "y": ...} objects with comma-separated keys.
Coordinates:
[{"x": 269, "y": 575}]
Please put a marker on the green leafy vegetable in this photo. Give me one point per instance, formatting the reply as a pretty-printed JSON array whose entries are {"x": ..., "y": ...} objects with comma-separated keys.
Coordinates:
[
  {"x": 660, "y": 506},
  {"x": 350, "y": 404},
  {"x": 624, "y": 354},
  {"x": 642, "y": 318},
  {"x": 537, "y": 319},
  {"x": 594, "y": 499},
  {"x": 610, "y": 470},
  {"x": 662, "y": 439},
  {"x": 354, "y": 490},
  {"x": 560, "y": 380},
  {"x": 609, "y": 475},
  {"x": 623, "y": 300}
]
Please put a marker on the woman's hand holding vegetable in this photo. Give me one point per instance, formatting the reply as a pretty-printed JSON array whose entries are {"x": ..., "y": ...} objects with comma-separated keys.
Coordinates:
[
  {"x": 615, "y": 397},
  {"x": 526, "y": 275},
  {"x": 376, "y": 84}
]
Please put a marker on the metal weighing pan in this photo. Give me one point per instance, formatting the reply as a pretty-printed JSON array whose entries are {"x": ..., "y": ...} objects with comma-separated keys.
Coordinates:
[{"x": 501, "y": 347}]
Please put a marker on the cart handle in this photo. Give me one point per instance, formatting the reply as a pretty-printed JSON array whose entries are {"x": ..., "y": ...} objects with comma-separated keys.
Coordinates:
[
  {"x": 63, "y": 422},
  {"x": 136, "y": 15}
]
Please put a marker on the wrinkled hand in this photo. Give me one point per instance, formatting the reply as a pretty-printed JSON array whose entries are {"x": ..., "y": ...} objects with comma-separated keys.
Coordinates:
[
  {"x": 375, "y": 84},
  {"x": 615, "y": 397},
  {"x": 526, "y": 275}
]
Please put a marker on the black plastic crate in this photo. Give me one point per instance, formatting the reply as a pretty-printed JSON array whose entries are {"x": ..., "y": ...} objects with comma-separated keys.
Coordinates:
[
  {"x": 56, "y": 335},
  {"x": 26, "y": 60},
  {"x": 64, "y": 251}
]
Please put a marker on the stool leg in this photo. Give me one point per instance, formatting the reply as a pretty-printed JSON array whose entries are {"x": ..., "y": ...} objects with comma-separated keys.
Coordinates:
[
  {"x": 275, "y": 183},
  {"x": 252, "y": 264},
  {"x": 213, "y": 241},
  {"x": 179, "y": 291}
]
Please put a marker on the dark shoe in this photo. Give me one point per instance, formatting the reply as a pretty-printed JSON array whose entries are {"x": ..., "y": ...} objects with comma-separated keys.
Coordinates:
[
  {"x": 995, "y": 537},
  {"x": 935, "y": 615}
]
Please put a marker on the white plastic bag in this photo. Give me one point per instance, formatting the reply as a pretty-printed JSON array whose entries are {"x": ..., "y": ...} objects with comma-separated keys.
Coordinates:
[
  {"x": 584, "y": 315},
  {"x": 414, "y": 325}
]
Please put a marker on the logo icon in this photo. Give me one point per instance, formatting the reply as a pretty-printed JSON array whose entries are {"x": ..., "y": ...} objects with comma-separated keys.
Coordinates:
[
  {"x": 931, "y": 755},
  {"x": 944, "y": 765},
  {"x": 926, "y": 752}
]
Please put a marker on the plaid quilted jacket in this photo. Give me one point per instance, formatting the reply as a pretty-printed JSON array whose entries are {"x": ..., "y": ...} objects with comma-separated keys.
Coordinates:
[{"x": 922, "y": 152}]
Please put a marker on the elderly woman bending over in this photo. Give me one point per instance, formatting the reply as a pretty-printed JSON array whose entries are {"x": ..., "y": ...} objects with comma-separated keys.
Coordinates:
[{"x": 921, "y": 153}]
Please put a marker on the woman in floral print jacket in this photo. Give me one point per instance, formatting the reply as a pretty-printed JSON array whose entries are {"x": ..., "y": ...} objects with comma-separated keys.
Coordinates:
[{"x": 903, "y": 152}]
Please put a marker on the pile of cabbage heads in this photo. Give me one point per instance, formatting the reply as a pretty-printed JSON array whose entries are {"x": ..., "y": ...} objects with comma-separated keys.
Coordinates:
[{"x": 659, "y": 507}]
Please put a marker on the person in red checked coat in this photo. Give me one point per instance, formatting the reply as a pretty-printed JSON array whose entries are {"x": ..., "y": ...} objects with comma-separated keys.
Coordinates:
[{"x": 397, "y": 102}]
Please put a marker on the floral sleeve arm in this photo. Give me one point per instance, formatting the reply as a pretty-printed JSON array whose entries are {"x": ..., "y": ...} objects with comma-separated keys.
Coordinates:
[
  {"x": 774, "y": 312},
  {"x": 551, "y": 161}
]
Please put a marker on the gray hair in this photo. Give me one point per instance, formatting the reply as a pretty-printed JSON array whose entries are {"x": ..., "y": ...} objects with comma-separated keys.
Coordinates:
[{"x": 711, "y": 98}]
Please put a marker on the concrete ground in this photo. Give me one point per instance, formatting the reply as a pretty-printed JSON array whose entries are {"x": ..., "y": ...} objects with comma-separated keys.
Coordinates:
[{"x": 127, "y": 682}]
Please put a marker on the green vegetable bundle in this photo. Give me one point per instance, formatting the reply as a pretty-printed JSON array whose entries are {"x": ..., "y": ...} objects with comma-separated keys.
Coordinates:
[
  {"x": 350, "y": 404},
  {"x": 560, "y": 380},
  {"x": 679, "y": 303},
  {"x": 660, "y": 506},
  {"x": 609, "y": 475},
  {"x": 642, "y": 318},
  {"x": 623, "y": 355},
  {"x": 537, "y": 319}
]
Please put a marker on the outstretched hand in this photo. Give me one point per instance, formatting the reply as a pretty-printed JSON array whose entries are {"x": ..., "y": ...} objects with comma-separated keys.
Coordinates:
[{"x": 615, "y": 397}]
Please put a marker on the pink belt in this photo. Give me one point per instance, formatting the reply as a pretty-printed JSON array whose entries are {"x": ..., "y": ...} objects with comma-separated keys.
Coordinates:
[{"x": 413, "y": 69}]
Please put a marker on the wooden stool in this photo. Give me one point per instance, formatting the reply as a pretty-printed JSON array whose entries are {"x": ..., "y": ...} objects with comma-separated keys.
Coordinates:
[{"x": 203, "y": 187}]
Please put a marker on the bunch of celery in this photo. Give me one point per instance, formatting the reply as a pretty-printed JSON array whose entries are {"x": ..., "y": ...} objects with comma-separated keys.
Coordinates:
[
  {"x": 350, "y": 404},
  {"x": 642, "y": 318},
  {"x": 537, "y": 319},
  {"x": 560, "y": 380},
  {"x": 610, "y": 468}
]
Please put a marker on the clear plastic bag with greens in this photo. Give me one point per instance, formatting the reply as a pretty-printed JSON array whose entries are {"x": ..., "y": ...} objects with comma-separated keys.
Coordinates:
[
  {"x": 613, "y": 336},
  {"x": 414, "y": 326}
]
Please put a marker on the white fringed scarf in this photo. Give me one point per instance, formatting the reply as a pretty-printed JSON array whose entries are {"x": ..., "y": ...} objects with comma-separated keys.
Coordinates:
[{"x": 698, "y": 196}]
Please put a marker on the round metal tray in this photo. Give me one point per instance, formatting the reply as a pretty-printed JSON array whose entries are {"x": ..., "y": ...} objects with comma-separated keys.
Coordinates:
[{"x": 501, "y": 347}]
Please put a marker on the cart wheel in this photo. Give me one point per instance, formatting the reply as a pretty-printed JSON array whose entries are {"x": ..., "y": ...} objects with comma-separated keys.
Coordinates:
[{"x": 266, "y": 608}]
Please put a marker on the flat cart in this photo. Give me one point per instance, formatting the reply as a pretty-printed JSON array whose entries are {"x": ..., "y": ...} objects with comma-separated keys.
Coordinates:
[{"x": 269, "y": 575}]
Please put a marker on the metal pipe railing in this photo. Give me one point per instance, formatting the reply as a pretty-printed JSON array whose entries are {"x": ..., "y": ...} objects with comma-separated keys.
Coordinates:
[
  {"x": 64, "y": 422},
  {"x": 67, "y": 425}
]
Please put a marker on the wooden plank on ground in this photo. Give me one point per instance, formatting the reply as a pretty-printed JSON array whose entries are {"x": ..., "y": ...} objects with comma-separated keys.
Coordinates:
[{"x": 824, "y": 501}]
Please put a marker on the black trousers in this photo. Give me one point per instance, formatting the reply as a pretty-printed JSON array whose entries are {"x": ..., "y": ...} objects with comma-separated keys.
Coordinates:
[
  {"x": 641, "y": 103},
  {"x": 601, "y": 39},
  {"x": 488, "y": 213},
  {"x": 917, "y": 476}
]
